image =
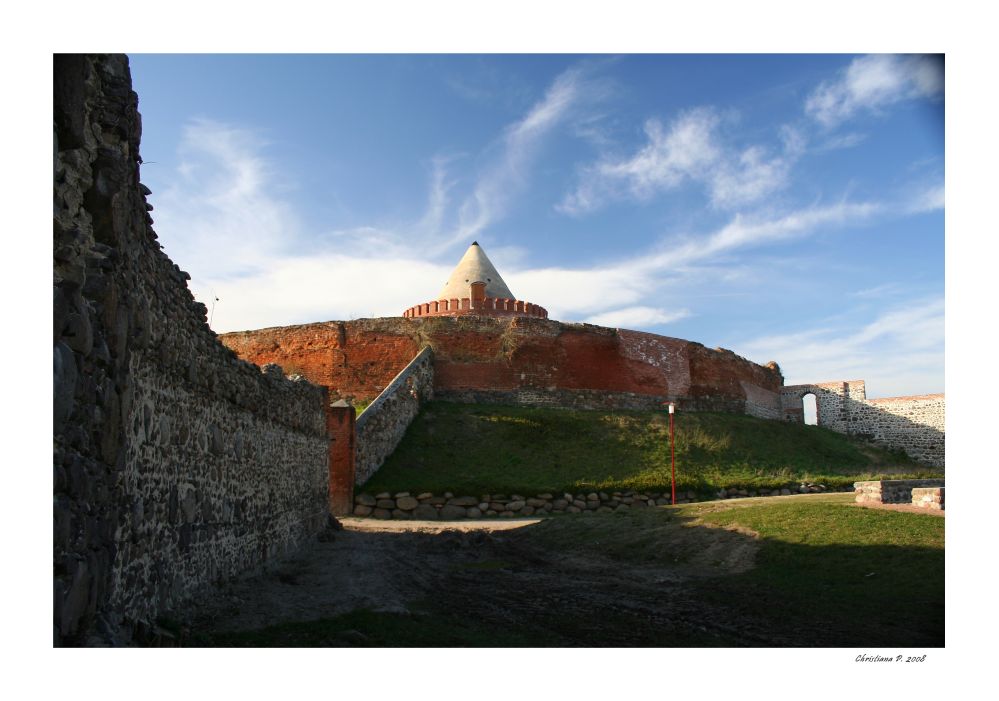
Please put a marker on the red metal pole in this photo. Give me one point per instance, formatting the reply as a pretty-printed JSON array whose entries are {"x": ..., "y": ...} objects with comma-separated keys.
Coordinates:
[{"x": 672, "y": 455}]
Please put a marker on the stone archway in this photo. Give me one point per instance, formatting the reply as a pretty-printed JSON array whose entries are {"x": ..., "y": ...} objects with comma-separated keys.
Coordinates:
[{"x": 810, "y": 409}]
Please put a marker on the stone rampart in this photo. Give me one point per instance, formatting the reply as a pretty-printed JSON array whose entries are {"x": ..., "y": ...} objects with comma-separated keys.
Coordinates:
[
  {"x": 383, "y": 423},
  {"x": 914, "y": 424},
  {"x": 176, "y": 465}
]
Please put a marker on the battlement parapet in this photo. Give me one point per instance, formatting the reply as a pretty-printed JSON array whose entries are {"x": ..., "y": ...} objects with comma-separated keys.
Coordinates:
[{"x": 486, "y": 306}]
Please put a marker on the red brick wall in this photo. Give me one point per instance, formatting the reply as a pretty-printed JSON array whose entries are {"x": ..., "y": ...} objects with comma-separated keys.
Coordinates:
[
  {"x": 357, "y": 359},
  {"x": 340, "y": 427}
]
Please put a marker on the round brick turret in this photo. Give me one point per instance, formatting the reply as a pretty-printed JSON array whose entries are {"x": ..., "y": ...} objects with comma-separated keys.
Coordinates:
[{"x": 475, "y": 287}]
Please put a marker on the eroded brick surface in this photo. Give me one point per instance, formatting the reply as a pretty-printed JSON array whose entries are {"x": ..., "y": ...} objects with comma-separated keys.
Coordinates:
[{"x": 521, "y": 360}]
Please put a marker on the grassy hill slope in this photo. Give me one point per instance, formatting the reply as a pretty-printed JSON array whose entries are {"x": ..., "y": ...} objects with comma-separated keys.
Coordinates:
[{"x": 476, "y": 449}]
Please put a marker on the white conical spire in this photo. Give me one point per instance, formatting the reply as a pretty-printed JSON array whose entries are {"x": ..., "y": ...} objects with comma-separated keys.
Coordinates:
[{"x": 474, "y": 266}]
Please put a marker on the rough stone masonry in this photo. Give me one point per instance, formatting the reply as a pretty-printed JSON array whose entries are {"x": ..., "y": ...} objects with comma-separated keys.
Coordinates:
[{"x": 175, "y": 465}]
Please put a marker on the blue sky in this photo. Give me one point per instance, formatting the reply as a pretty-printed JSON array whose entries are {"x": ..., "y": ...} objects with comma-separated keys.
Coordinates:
[{"x": 789, "y": 208}]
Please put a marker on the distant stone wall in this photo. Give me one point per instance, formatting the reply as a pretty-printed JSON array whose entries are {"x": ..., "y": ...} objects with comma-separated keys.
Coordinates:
[
  {"x": 914, "y": 424},
  {"x": 383, "y": 423},
  {"x": 176, "y": 465}
]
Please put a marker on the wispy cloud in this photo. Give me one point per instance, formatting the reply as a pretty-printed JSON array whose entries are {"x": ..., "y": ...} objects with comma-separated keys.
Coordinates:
[
  {"x": 220, "y": 213},
  {"x": 902, "y": 347},
  {"x": 690, "y": 149},
  {"x": 872, "y": 83},
  {"x": 638, "y": 317},
  {"x": 575, "y": 294},
  {"x": 509, "y": 172},
  {"x": 928, "y": 199}
]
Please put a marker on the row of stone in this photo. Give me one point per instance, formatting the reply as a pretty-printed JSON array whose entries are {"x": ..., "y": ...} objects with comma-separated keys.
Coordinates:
[
  {"x": 404, "y": 505},
  {"x": 428, "y": 506},
  {"x": 803, "y": 488}
]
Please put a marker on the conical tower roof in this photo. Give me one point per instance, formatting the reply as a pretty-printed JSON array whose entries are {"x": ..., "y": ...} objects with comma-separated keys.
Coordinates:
[{"x": 474, "y": 266}]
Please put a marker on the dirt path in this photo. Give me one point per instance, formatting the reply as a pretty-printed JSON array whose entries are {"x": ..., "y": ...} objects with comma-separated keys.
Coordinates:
[
  {"x": 375, "y": 565},
  {"x": 497, "y": 574}
]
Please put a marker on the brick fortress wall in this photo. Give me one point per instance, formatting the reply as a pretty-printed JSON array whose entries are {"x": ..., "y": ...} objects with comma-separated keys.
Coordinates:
[
  {"x": 519, "y": 360},
  {"x": 176, "y": 465}
]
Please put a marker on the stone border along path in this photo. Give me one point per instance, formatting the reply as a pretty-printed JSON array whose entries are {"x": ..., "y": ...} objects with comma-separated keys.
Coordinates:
[{"x": 430, "y": 507}]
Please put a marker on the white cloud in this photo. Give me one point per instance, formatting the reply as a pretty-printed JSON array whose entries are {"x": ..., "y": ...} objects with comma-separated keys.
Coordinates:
[
  {"x": 690, "y": 150},
  {"x": 871, "y": 83},
  {"x": 322, "y": 287},
  {"x": 899, "y": 352},
  {"x": 638, "y": 317},
  {"x": 575, "y": 294},
  {"x": 219, "y": 213},
  {"x": 744, "y": 231},
  {"x": 929, "y": 199},
  {"x": 520, "y": 145}
]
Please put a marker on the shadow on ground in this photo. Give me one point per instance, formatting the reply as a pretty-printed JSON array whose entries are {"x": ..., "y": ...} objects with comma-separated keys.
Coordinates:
[{"x": 666, "y": 577}]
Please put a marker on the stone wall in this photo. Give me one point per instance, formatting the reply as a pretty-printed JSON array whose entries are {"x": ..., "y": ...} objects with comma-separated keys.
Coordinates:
[
  {"x": 914, "y": 424},
  {"x": 520, "y": 360},
  {"x": 383, "y": 423},
  {"x": 891, "y": 491},
  {"x": 448, "y": 507},
  {"x": 175, "y": 464},
  {"x": 928, "y": 498}
]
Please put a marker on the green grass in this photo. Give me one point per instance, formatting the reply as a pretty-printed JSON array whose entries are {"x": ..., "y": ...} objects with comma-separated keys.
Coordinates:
[
  {"x": 826, "y": 570},
  {"x": 874, "y": 576},
  {"x": 475, "y": 449}
]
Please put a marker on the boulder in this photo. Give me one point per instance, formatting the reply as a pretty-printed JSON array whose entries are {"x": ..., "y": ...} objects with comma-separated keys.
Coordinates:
[
  {"x": 362, "y": 510},
  {"x": 365, "y": 500},
  {"x": 463, "y": 501},
  {"x": 452, "y": 513},
  {"x": 425, "y": 512},
  {"x": 406, "y": 503}
]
